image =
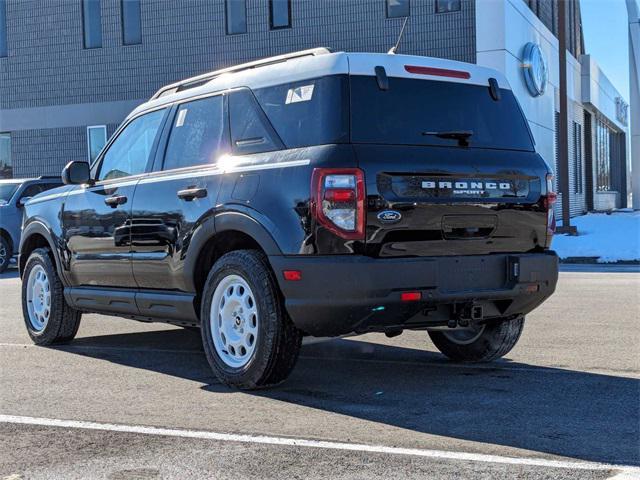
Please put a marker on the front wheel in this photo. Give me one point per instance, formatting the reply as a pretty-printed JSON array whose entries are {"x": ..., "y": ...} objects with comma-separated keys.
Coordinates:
[
  {"x": 479, "y": 343},
  {"x": 248, "y": 338},
  {"x": 47, "y": 316}
]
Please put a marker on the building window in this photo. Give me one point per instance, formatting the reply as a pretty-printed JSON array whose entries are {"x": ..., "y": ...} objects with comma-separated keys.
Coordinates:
[
  {"x": 131, "y": 23},
  {"x": 397, "y": 8},
  {"x": 236, "y": 13},
  {"x": 96, "y": 140},
  {"x": 91, "y": 23},
  {"x": 577, "y": 157},
  {"x": 280, "y": 14},
  {"x": 444, "y": 6},
  {"x": 6, "y": 167},
  {"x": 3, "y": 29}
]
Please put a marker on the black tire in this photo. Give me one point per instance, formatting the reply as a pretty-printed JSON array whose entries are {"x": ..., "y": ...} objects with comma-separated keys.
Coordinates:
[
  {"x": 278, "y": 341},
  {"x": 64, "y": 321},
  {"x": 5, "y": 254},
  {"x": 496, "y": 340}
]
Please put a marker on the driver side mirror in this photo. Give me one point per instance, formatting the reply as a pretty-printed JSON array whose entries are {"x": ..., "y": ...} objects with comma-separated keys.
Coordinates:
[{"x": 76, "y": 173}]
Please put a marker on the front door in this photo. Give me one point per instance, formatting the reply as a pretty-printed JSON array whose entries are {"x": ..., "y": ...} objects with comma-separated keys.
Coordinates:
[{"x": 96, "y": 219}]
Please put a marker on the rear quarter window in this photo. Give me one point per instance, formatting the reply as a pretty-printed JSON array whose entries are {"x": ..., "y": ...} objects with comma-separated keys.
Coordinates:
[{"x": 309, "y": 112}]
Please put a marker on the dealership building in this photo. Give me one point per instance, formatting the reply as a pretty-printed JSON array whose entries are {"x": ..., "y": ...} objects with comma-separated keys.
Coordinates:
[{"x": 71, "y": 70}]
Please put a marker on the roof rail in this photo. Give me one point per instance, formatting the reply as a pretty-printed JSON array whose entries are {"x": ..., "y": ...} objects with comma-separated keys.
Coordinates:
[
  {"x": 42, "y": 177},
  {"x": 206, "y": 77}
]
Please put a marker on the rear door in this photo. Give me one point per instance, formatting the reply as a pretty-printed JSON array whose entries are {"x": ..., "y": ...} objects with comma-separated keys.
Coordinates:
[
  {"x": 169, "y": 204},
  {"x": 96, "y": 219},
  {"x": 450, "y": 168}
]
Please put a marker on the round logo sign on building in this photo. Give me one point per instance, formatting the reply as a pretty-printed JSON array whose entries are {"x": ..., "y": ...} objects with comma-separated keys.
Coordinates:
[{"x": 535, "y": 69}]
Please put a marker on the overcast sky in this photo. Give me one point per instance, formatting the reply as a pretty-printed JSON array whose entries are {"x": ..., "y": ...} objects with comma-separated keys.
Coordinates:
[{"x": 605, "y": 27}]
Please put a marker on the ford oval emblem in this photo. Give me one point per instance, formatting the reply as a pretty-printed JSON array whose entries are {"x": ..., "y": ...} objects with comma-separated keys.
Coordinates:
[{"x": 389, "y": 216}]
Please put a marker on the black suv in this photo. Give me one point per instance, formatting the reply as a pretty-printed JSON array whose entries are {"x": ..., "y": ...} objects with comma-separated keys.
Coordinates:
[{"x": 314, "y": 193}]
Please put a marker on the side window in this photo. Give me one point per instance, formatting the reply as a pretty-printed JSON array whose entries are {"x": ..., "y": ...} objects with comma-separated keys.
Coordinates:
[
  {"x": 308, "y": 112},
  {"x": 129, "y": 153},
  {"x": 198, "y": 134},
  {"x": 32, "y": 190},
  {"x": 250, "y": 129}
]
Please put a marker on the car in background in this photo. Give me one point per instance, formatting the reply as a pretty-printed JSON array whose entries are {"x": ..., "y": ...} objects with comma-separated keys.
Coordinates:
[{"x": 13, "y": 194}]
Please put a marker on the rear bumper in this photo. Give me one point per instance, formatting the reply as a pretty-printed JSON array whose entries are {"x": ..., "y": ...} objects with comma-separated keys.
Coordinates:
[{"x": 348, "y": 293}]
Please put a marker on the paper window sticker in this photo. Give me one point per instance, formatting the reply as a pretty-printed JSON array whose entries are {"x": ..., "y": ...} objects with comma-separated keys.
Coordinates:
[
  {"x": 182, "y": 114},
  {"x": 300, "y": 94}
]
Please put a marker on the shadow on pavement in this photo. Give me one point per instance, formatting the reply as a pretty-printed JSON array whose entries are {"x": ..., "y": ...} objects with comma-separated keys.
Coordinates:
[
  {"x": 11, "y": 272},
  {"x": 582, "y": 415}
]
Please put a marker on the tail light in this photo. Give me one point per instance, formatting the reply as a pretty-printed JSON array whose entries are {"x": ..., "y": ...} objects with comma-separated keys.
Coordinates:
[
  {"x": 548, "y": 201},
  {"x": 338, "y": 201}
]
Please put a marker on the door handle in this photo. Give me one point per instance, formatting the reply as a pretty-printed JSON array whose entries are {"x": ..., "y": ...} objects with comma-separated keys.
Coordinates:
[
  {"x": 115, "y": 200},
  {"x": 189, "y": 194}
]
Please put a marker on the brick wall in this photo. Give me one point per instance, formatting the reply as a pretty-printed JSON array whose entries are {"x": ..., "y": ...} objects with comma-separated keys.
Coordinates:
[{"x": 47, "y": 64}]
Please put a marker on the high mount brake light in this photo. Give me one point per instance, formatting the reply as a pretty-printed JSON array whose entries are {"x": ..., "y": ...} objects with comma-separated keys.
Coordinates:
[
  {"x": 338, "y": 201},
  {"x": 438, "y": 72}
]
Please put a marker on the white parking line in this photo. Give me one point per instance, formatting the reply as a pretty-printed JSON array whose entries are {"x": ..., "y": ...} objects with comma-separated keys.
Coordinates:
[{"x": 300, "y": 442}]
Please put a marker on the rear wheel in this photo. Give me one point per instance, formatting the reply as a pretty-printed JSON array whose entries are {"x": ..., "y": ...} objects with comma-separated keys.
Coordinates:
[
  {"x": 5, "y": 254},
  {"x": 248, "y": 338},
  {"x": 47, "y": 316},
  {"x": 479, "y": 343}
]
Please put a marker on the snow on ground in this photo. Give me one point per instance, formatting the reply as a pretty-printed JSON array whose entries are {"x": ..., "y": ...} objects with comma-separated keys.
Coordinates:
[{"x": 611, "y": 238}]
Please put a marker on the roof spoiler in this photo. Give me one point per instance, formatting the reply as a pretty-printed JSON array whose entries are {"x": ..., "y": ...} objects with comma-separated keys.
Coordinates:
[{"x": 206, "y": 77}]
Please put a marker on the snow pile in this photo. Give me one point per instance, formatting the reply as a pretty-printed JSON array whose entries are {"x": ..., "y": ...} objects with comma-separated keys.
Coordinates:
[{"x": 611, "y": 238}]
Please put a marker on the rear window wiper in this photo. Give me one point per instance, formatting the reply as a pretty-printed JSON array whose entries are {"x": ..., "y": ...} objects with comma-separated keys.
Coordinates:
[{"x": 461, "y": 135}]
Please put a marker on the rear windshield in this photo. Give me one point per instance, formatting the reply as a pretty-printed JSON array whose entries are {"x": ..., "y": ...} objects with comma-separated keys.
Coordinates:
[{"x": 412, "y": 112}]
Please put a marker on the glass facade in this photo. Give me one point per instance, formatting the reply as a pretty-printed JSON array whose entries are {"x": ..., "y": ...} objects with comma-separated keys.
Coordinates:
[{"x": 602, "y": 155}]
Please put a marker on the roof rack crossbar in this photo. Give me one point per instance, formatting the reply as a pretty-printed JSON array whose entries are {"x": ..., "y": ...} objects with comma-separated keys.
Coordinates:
[{"x": 205, "y": 77}]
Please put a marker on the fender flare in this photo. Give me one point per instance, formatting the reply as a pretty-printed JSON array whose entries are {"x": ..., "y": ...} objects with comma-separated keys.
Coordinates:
[
  {"x": 242, "y": 219},
  {"x": 37, "y": 227}
]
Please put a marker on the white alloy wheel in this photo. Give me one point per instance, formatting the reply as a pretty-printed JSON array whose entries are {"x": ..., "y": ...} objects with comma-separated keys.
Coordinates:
[
  {"x": 234, "y": 321},
  {"x": 464, "y": 336},
  {"x": 38, "y": 298}
]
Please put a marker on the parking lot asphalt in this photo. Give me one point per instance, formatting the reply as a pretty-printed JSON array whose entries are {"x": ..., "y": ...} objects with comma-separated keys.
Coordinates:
[{"x": 133, "y": 400}]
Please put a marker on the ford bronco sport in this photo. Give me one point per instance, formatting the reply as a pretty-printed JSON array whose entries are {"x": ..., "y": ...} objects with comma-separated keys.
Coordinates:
[{"x": 314, "y": 193}]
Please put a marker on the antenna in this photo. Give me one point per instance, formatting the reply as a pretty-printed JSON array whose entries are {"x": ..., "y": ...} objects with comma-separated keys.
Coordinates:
[{"x": 392, "y": 50}]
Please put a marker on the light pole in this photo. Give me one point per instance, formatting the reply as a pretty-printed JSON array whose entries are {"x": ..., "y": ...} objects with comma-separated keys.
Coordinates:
[
  {"x": 634, "y": 100},
  {"x": 563, "y": 124}
]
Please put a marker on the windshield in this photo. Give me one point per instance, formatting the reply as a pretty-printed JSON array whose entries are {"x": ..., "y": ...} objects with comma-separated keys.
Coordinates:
[
  {"x": 6, "y": 192},
  {"x": 429, "y": 112}
]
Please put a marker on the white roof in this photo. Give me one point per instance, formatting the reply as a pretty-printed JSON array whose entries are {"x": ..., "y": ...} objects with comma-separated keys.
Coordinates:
[{"x": 312, "y": 66}]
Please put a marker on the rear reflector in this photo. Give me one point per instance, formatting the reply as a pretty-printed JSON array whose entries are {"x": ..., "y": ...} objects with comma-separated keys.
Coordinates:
[
  {"x": 438, "y": 72},
  {"x": 410, "y": 296},
  {"x": 292, "y": 275},
  {"x": 340, "y": 195}
]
